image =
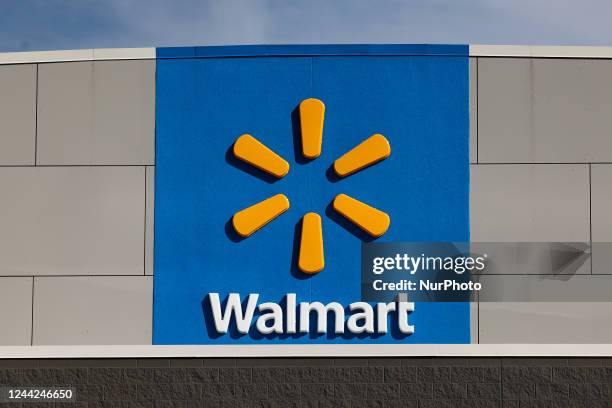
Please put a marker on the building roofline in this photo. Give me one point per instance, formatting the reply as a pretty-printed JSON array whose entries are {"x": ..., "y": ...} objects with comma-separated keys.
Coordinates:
[
  {"x": 473, "y": 50},
  {"x": 540, "y": 51},
  {"x": 76, "y": 55},
  {"x": 307, "y": 50}
]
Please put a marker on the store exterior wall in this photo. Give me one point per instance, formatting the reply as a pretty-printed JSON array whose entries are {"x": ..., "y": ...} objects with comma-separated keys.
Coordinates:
[
  {"x": 78, "y": 165},
  {"x": 541, "y": 172},
  {"x": 77, "y": 173}
]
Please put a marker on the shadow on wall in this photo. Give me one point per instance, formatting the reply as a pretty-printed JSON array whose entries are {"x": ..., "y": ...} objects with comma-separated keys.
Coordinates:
[{"x": 232, "y": 160}]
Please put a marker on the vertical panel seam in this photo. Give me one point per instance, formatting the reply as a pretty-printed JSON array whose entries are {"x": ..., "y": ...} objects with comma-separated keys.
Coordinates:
[
  {"x": 477, "y": 113},
  {"x": 478, "y": 320},
  {"x": 154, "y": 111},
  {"x": 36, "y": 119},
  {"x": 470, "y": 203},
  {"x": 152, "y": 311},
  {"x": 311, "y": 75},
  {"x": 591, "y": 215},
  {"x": 144, "y": 241},
  {"x": 477, "y": 162}
]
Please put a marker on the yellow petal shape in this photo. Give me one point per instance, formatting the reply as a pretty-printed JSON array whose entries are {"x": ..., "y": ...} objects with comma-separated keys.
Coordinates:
[
  {"x": 249, "y": 220},
  {"x": 370, "y": 151},
  {"x": 252, "y": 151},
  {"x": 369, "y": 219},
  {"x": 312, "y": 114},
  {"x": 311, "y": 259}
]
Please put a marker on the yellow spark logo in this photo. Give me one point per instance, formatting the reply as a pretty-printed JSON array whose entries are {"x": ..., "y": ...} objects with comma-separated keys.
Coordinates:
[{"x": 311, "y": 258}]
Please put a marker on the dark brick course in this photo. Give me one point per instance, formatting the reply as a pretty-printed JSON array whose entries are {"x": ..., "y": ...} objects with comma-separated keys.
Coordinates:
[{"x": 321, "y": 383}]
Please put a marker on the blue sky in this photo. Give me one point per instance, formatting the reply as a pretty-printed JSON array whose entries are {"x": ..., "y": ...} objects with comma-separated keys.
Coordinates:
[{"x": 68, "y": 24}]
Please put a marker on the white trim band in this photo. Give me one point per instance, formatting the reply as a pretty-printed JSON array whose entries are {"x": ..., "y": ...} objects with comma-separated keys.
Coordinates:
[
  {"x": 476, "y": 50},
  {"x": 310, "y": 350},
  {"x": 539, "y": 51},
  {"x": 77, "y": 55}
]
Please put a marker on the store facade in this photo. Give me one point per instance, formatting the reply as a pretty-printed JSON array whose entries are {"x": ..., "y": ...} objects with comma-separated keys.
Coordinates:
[{"x": 170, "y": 215}]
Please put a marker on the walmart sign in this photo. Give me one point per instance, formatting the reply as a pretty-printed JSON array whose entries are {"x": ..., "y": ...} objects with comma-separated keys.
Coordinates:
[{"x": 274, "y": 164}]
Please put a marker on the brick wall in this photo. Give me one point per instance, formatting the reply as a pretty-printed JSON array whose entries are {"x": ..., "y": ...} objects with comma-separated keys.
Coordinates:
[{"x": 416, "y": 382}]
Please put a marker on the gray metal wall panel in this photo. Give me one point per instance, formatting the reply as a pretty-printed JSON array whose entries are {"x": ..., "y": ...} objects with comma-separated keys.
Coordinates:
[
  {"x": 150, "y": 220},
  {"x": 544, "y": 202},
  {"x": 17, "y": 114},
  {"x": 15, "y": 311},
  {"x": 575, "y": 288},
  {"x": 547, "y": 322},
  {"x": 523, "y": 203},
  {"x": 72, "y": 220},
  {"x": 504, "y": 109},
  {"x": 601, "y": 217},
  {"x": 474, "y": 323},
  {"x": 93, "y": 310},
  {"x": 544, "y": 110},
  {"x": 100, "y": 112}
]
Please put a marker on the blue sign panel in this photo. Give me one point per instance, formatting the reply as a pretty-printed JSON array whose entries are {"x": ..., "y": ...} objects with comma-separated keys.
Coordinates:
[{"x": 418, "y": 102}]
